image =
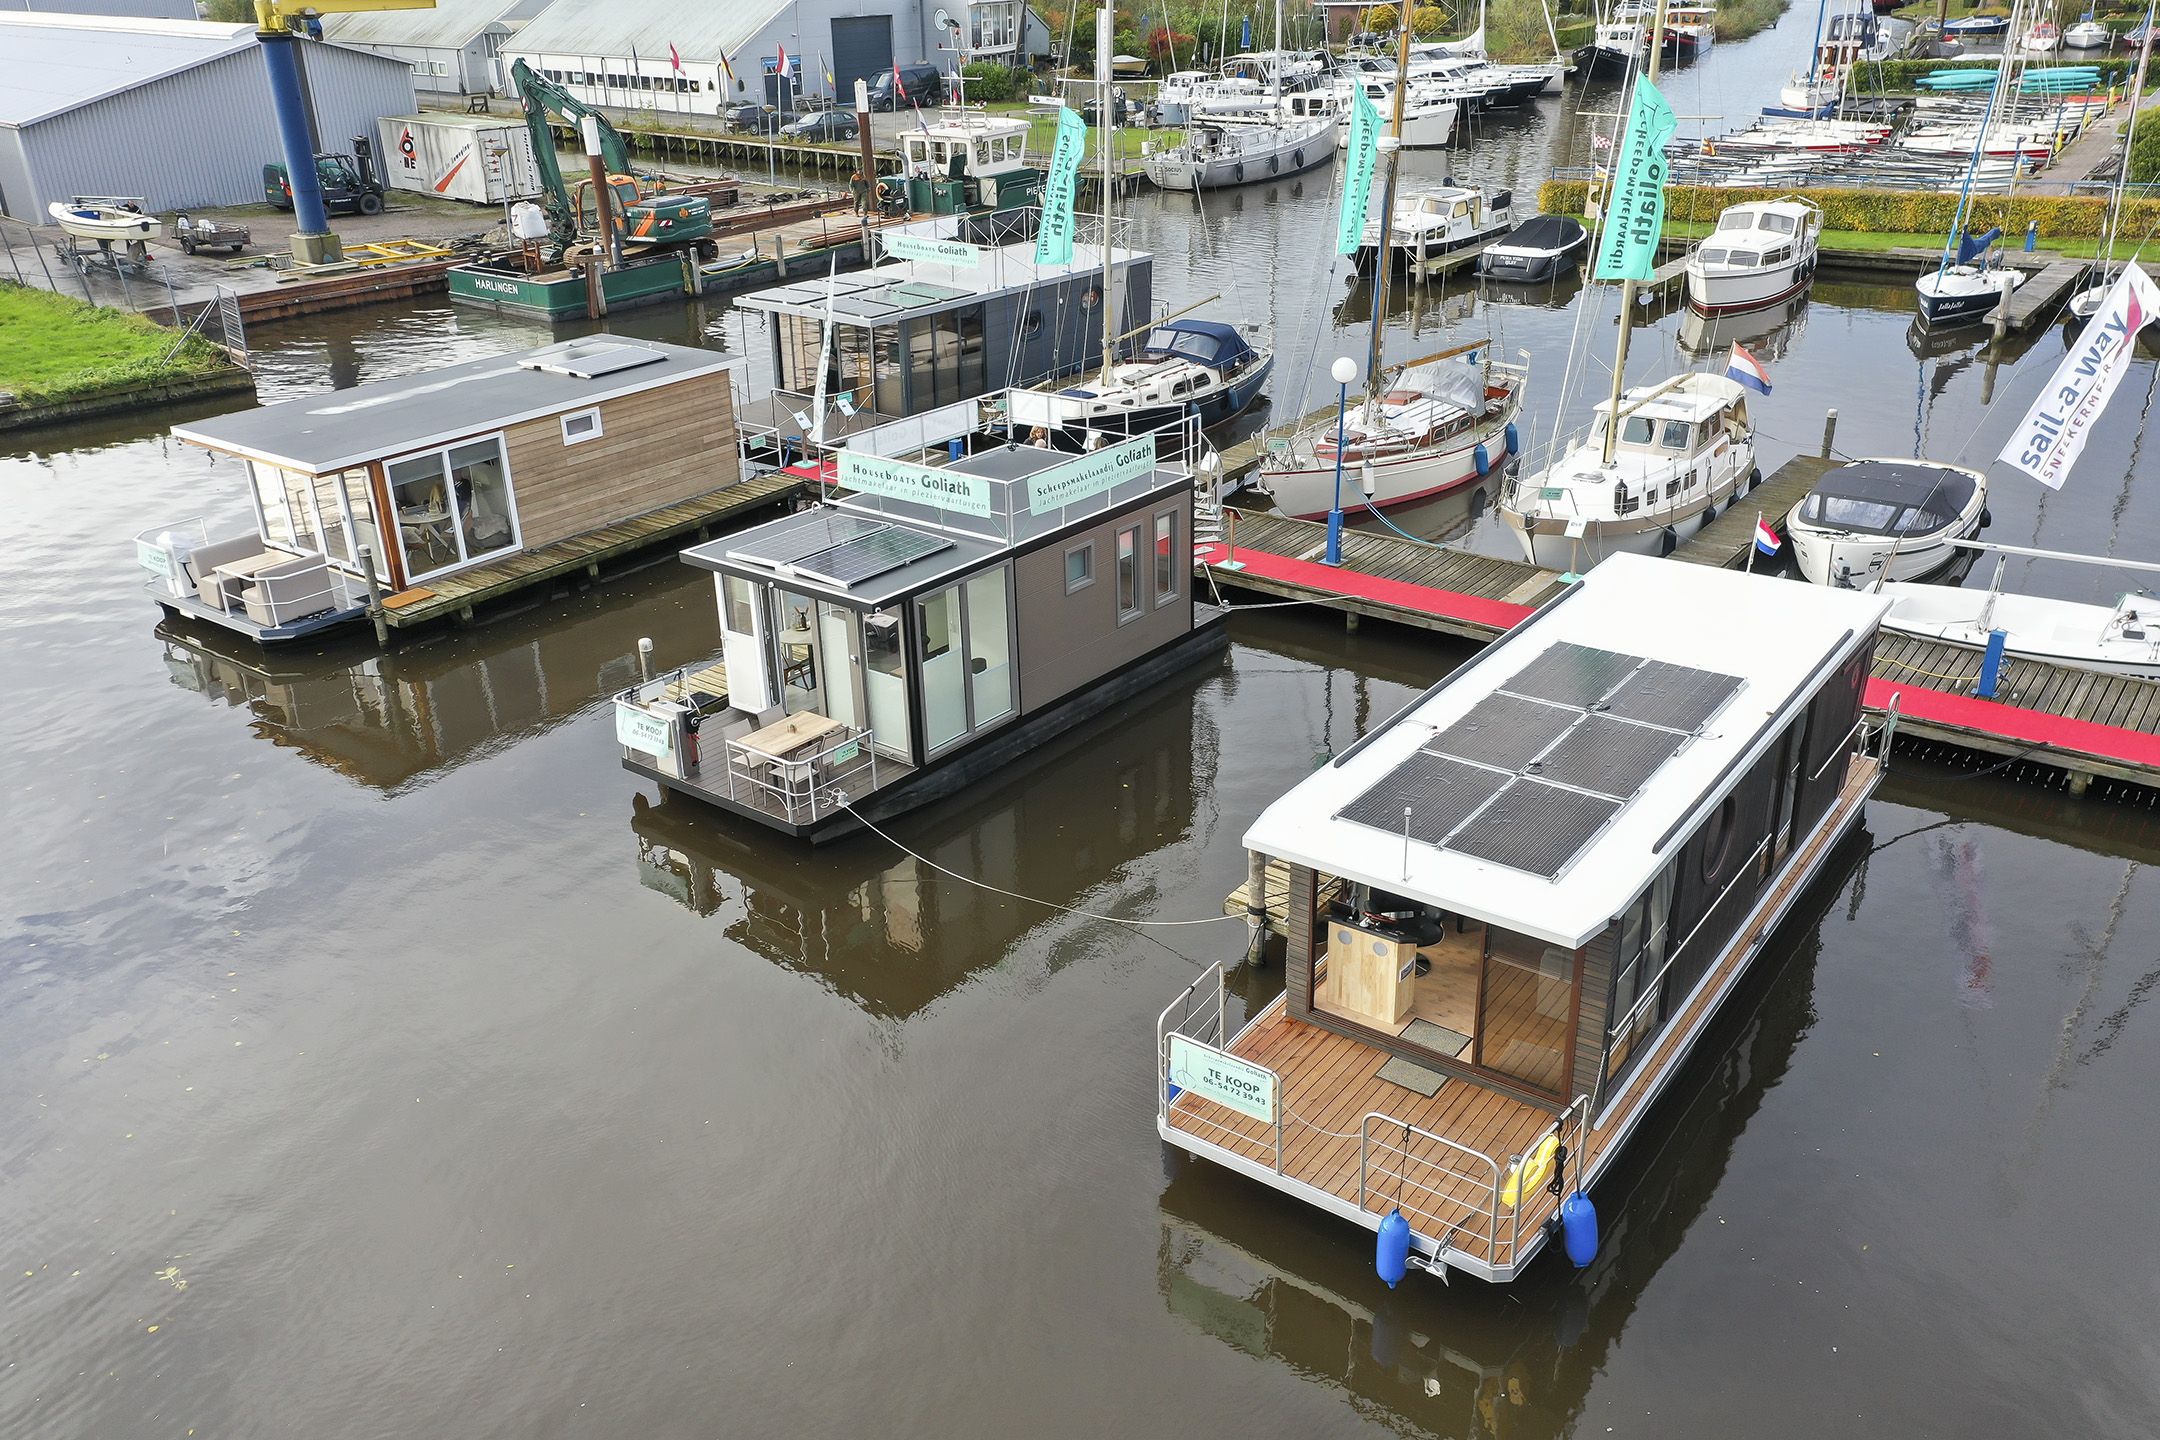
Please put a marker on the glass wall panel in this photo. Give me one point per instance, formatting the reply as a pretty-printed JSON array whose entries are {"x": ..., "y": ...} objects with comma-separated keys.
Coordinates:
[
  {"x": 891, "y": 386},
  {"x": 277, "y": 522},
  {"x": 419, "y": 487},
  {"x": 840, "y": 648},
  {"x": 947, "y": 329},
  {"x": 330, "y": 516},
  {"x": 360, "y": 507},
  {"x": 971, "y": 352},
  {"x": 800, "y": 663},
  {"x": 1166, "y": 569},
  {"x": 482, "y": 484},
  {"x": 1128, "y": 571},
  {"x": 944, "y": 674},
  {"x": 989, "y": 647},
  {"x": 1526, "y": 994},
  {"x": 885, "y": 682}
]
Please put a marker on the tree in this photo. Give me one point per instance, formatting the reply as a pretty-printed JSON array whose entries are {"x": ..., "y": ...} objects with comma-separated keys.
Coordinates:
[
  {"x": 1382, "y": 19},
  {"x": 1164, "y": 45},
  {"x": 1429, "y": 22},
  {"x": 229, "y": 12}
]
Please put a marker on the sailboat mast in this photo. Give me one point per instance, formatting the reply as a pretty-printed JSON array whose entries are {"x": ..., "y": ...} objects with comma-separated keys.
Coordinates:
[
  {"x": 1105, "y": 136},
  {"x": 1972, "y": 170},
  {"x": 1627, "y": 287},
  {"x": 1276, "y": 68},
  {"x": 2122, "y": 178},
  {"x": 1383, "y": 261}
]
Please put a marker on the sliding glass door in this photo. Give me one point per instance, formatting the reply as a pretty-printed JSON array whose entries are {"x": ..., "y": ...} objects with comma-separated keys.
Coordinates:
[
  {"x": 967, "y": 675},
  {"x": 454, "y": 506}
]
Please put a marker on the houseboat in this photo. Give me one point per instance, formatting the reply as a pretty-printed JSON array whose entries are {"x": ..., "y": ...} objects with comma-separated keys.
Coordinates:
[
  {"x": 430, "y": 477},
  {"x": 916, "y": 335},
  {"x": 911, "y": 640},
  {"x": 1514, "y": 907}
]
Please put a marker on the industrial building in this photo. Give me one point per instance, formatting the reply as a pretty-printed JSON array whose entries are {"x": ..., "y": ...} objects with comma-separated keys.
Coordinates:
[
  {"x": 701, "y": 59},
  {"x": 176, "y": 112},
  {"x": 453, "y": 49},
  {"x": 140, "y": 9}
]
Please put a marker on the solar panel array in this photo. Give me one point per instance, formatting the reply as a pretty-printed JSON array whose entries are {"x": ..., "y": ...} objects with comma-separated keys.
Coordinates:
[
  {"x": 1531, "y": 774},
  {"x": 810, "y": 535},
  {"x": 871, "y": 554}
]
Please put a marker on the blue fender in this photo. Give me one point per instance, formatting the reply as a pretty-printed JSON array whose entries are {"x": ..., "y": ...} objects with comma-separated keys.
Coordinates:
[
  {"x": 1514, "y": 441},
  {"x": 1484, "y": 461},
  {"x": 1392, "y": 1256},
  {"x": 1578, "y": 1222}
]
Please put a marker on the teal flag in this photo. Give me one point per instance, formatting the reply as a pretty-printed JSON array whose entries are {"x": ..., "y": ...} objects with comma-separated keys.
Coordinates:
[
  {"x": 1357, "y": 182},
  {"x": 1054, "y": 239},
  {"x": 1635, "y": 201}
]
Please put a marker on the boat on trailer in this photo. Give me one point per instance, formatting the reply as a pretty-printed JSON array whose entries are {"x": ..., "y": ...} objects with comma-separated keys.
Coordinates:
[{"x": 1514, "y": 908}]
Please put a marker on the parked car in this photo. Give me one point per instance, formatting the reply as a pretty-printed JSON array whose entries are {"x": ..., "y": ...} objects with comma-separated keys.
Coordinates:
[
  {"x": 827, "y": 125},
  {"x": 919, "y": 85},
  {"x": 758, "y": 119}
]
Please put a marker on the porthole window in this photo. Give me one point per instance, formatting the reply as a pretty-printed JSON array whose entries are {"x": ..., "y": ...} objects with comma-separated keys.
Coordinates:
[{"x": 1032, "y": 326}]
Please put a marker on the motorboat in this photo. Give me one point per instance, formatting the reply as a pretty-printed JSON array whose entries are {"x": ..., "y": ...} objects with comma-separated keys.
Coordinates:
[
  {"x": 1446, "y": 220},
  {"x": 1183, "y": 368},
  {"x": 1544, "y": 247},
  {"x": 1439, "y": 425},
  {"x": 1619, "y": 45},
  {"x": 104, "y": 218},
  {"x": 2088, "y": 35},
  {"x": 1690, "y": 30},
  {"x": 1684, "y": 449},
  {"x": 2123, "y": 640},
  {"x": 2003, "y": 141},
  {"x": 1128, "y": 67},
  {"x": 1881, "y": 519},
  {"x": 1975, "y": 27},
  {"x": 1191, "y": 93},
  {"x": 1963, "y": 291},
  {"x": 1761, "y": 252},
  {"x": 1428, "y": 121},
  {"x": 2043, "y": 37},
  {"x": 1811, "y": 96},
  {"x": 1222, "y": 151}
]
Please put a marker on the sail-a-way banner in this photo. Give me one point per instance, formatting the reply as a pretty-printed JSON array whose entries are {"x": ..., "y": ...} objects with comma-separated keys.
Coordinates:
[
  {"x": 1054, "y": 237},
  {"x": 1357, "y": 180},
  {"x": 1635, "y": 202},
  {"x": 2048, "y": 440}
]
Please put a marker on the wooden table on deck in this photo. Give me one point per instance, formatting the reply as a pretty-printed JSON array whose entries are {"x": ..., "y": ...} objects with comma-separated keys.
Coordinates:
[{"x": 782, "y": 741}]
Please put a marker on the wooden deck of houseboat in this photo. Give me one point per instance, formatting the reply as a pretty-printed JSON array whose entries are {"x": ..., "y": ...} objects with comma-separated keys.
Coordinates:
[
  {"x": 458, "y": 594},
  {"x": 712, "y": 680}
]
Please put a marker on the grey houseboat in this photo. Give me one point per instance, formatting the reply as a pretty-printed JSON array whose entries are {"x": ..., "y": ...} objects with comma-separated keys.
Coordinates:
[
  {"x": 925, "y": 632},
  {"x": 1514, "y": 907}
]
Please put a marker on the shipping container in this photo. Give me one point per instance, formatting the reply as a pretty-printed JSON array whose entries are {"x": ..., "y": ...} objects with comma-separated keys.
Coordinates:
[{"x": 461, "y": 157}]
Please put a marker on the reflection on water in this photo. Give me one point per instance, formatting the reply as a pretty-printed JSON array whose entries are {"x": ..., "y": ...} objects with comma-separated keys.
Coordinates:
[
  {"x": 1767, "y": 333},
  {"x": 1277, "y": 1280}
]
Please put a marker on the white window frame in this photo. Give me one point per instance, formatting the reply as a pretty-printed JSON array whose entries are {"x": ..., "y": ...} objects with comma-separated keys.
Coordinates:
[
  {"x": 592, "y": 414},
  {"x": 1162, "y": 596},
  {"x": 457, "y": 532}
]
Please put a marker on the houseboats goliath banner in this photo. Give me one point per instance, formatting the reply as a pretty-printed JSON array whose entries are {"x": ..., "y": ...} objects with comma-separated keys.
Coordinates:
[
  {"x": 2048, "y": 440},
  {"x": 1357, "y": 189},
  {"x": 898, "y": 480},
  {"x": 1635, "y": 204},
  {"x": 1061, "y": 485},
  {"x": 1054, "y": 237}
]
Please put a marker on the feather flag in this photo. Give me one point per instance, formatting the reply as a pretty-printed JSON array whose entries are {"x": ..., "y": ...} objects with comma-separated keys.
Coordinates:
[
  {"x": 674, "y": 59},
  {"x": 728, "y": 69}
]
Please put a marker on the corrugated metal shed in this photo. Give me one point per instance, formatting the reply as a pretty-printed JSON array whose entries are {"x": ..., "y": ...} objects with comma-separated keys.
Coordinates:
[
  {"x": 451, "y": 25},
  {"x": 177, "y": 112},
  {"x": 611, "y": 28}
]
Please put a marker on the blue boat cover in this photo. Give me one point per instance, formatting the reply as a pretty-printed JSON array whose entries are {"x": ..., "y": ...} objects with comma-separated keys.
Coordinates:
[
  {"x": 1973, "y": 245},
  {"x": 1208, "y": 341}
]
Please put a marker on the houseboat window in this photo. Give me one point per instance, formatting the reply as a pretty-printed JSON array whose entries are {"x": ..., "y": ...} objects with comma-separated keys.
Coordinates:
[
  {"x": 840, "y": 647},
  {"x": 585, "y": 425},
  {"x": 1079, "y": 567},
  {"x": 486, "y": 522},
  {"x": 1633, "y": 1016},
  {"x": 360, "y": 508},
  {"x": 1128, "y": 573},
  {"x": 1525, "y": 998},
  {"x": 419, "y": 488},
  {"x": 971, "y": 352},
  {"x": 1166, "y": 569},
  {"x": 1718, "y": 838},
  {"x": 944, "y": 676},
  {"x": 885, "y": 682},
  {"x": 1638, "y": 430},
  {"x": 796, "y": 643},
  {"x": 1676, "y": 434},
  {"x": 330, "y": 517},
  {"x": 739, "y": 600},
  {"x": 989, "y": 645},
  {"x": 288, "y": 521}
]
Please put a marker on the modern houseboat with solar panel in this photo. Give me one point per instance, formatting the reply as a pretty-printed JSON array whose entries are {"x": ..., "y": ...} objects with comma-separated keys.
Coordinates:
[
  {"x": 931, "y": 629},
  {"x": 1513, "y": 908}
]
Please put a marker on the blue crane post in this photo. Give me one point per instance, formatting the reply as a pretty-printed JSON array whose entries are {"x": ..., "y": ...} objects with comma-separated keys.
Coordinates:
[{"x": 284, "y": 67}]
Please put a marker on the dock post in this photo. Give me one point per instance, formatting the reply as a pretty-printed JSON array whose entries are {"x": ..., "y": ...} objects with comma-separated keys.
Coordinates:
[
  {"x": 595, "y": 297},
  {"x": 2080, "y": 781},
  {"x": 644, "y": 658},
  {"x": 2006, "y": 288},
  {"x": 1256, "y": 908},
  {"x": 1829, "y": 430},
  {"x": 1991, "y": 664},
  {"x": 374, "y": 597}
]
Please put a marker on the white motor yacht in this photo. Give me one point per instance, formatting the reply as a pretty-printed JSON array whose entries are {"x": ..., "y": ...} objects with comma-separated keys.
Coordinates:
[
  {"x": 1428, "y": 121},
  {"x": 1684, "y": 449},
  {"x": 2088, "y": 35},
  {"x": 1886, "y": 519},
  {"x": 1761, "y": 252},
  {"x": 1446, "y": 220}
]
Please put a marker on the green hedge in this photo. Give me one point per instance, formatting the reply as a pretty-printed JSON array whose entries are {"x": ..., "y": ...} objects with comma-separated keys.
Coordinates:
[{"x": 1895, "y": 212}]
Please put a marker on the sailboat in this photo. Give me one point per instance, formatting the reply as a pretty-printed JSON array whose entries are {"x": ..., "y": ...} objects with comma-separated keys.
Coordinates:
[
  {"x": 1965, "y": 289},
  {"x": 1658, "y": 460},
  {"x": 1426, "y": 428},
  {"x": 2087, "y": 301},
  {"x": 1814, "y": 93},
  {"x": 1226, "y": 149}
]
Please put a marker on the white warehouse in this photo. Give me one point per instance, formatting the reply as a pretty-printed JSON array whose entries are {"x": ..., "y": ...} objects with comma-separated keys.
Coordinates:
[
  {"x": 175, "y": 111},
  {"x": 454, "y": 49}
]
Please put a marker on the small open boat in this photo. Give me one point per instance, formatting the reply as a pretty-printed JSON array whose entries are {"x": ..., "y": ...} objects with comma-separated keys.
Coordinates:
[
  {"x": 2123, "y": 639},
  {"x": 103, "y": 218}
]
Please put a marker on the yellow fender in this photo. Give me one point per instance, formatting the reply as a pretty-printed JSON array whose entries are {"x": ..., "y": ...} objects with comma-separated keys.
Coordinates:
[{"x": 1530, "y": 1174}]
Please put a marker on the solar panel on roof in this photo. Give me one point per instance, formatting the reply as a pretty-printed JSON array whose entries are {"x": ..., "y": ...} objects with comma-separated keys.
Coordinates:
[
  {"x": 1612, "y": 757},
  {"x": 807, "y": 538},
  {"x": 1677, "y": 696},
  {"x": 1440, "y": 793},
  {"x": 870, "y": 555},
  {"x": 1504, "y": 730},
  {"x": 1534, "y": 827},
  {"x": 1571, "y": 674}
]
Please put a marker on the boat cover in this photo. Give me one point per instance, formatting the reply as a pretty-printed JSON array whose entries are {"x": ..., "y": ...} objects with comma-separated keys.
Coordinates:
[
  {"x": 1457, "y": 383},
  {"x": 1889, "y": 497},
  {"x": 1208, "y": 341},
  {"x": 1973, "y": 245},
  {"x": 1547, "y": 234}
]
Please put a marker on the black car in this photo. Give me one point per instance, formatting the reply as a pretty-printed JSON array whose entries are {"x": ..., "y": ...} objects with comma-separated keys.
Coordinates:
[
  {"x": 756, "y": 119},
  {"x": 825, "y": 125},
  {"x": 919, "y": 85}
]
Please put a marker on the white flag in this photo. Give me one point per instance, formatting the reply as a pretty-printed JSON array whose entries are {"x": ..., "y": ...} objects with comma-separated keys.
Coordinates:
[{"x": 2047, "y": 441}]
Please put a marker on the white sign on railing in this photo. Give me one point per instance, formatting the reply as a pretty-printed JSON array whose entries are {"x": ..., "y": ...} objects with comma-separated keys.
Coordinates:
[
  {"x": 1061, "y": 485},
  {"x": 941, "y": 252},
  {"x": 900, "y": 480},
  {"x": 642, "y": 730},
  {"x": 1245, "y": 1088}
]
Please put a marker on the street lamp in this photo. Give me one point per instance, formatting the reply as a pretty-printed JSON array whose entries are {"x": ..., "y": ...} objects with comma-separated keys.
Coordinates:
[{"x": 1344, "y": 370}]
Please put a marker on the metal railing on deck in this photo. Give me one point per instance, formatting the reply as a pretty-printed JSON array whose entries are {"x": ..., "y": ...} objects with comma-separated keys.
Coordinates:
[
  {"x": 1431, "y": 1186},
  {"x": 1194, "y": 1023},
  {"x": 809, "y": 784}
]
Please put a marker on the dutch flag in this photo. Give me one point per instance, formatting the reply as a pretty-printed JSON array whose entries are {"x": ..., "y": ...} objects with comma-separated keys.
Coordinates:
[
  {"x": 1766, "y": 539},
  {"x": 1746, "y": 369}
]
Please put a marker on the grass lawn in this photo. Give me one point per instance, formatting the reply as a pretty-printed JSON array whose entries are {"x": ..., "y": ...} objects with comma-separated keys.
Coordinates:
[
  {"x": 52, "y": 347},
  {"x": 1042, "y": 135}
]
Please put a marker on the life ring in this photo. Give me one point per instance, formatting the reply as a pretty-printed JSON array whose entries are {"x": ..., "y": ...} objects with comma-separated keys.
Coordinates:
[{"x": 1529, "y": 1173}]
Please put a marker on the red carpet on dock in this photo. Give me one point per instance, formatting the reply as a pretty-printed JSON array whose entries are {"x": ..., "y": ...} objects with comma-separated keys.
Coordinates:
[
  {"x": 2012, "y": 722},
  {"x": 1340, "y": 580}
]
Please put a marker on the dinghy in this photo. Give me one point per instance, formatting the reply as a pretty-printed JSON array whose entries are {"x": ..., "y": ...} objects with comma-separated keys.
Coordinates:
[{"x": 103, "y": 219}]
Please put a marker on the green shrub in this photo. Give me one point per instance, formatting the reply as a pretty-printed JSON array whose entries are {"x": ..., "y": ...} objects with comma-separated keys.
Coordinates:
[
  {"x": 993, "y": 83},
  {"x": 1896, "y": 212},
  {"x": 2145, "y": 158}
]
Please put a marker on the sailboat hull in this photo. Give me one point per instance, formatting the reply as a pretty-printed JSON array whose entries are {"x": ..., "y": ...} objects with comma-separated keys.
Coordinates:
[
  {"x": 1289, "y": 151},
  {"x": 1307, "y": 493}
]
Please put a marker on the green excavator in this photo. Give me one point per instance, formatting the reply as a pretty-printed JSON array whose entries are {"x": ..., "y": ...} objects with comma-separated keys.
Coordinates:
[{"x": 646, "y": 215}]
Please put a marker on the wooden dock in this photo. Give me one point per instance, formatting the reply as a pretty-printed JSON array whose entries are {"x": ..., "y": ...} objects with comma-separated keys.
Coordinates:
[
  {"x": 1724, "y": 543},
  {"x": 2036, "y": 301},
  {"x": 1240, "y": 460},
  {"x": 459, "y": 596}
]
